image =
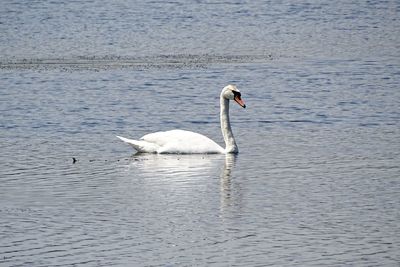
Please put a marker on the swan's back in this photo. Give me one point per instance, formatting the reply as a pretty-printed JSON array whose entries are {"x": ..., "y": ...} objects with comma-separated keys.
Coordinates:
[{"x": 182, "y": 142}]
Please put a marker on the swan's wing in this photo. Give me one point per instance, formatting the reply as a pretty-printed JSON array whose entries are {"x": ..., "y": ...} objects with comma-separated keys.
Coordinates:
[
  {"x": 182, "y": 142},
  {"x": 159, "y": 138},
  {"x": 141, "y": 146}
]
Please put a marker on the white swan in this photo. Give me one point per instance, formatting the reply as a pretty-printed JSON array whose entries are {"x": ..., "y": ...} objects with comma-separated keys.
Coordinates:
[{"x": 186, "y": 142}]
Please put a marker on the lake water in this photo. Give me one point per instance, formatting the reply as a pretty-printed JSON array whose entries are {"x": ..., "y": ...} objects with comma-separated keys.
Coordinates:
[{"x": 317, "y": 179}]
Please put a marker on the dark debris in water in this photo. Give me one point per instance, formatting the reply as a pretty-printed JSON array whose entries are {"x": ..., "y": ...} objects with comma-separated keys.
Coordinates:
[
  {"x": 96, "y": 63},
  {"x": 133, "y": 158},
  {"x": 75, "y": 160}
]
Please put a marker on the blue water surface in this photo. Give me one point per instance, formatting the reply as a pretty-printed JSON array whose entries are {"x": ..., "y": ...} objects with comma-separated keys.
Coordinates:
[{"x": 316, "y": 182}]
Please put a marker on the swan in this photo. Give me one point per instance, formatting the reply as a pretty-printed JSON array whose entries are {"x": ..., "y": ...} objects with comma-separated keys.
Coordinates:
[{"x": 186, "y": 142}]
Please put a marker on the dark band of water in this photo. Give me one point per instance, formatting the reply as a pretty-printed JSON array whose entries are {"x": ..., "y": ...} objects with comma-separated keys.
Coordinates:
[{"x": 146, "y": 62}]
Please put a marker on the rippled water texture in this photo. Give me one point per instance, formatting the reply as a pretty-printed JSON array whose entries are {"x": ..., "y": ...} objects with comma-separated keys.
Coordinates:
[{"x": 316, "y": 182}]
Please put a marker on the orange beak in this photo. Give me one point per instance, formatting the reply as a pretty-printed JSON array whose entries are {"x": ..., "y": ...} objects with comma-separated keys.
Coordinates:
[{"x": 239, "y": 100}]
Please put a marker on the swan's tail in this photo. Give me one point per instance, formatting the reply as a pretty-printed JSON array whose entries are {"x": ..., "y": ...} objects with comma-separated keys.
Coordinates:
[{"x": 140, "y": 146}]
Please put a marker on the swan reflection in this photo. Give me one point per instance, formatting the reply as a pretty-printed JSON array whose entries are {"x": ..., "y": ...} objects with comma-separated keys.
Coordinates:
[
  {"x": 177, "y": 167},
  {"x": 171, "y": 166},
  {"x": 225, "y": 180},
  {"x": 187, "y": 174}
]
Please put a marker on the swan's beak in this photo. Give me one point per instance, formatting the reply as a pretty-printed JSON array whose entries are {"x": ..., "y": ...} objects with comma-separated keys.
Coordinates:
[{"x": 239, "y": 100}]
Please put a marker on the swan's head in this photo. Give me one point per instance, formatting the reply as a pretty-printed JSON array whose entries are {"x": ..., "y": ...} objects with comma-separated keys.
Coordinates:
[{"x": 230, "y": 92}]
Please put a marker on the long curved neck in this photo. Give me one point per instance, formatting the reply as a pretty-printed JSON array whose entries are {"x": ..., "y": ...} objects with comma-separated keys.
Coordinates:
[{"x": 230, "y": 144}]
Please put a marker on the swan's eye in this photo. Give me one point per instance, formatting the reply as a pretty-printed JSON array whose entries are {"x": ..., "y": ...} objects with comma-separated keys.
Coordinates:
[{"x": 235, "y": 93}]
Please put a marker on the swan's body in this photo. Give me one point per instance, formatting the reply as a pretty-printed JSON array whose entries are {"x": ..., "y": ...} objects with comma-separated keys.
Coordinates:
[
  {"x": 175, "y": 142},
  {"x": 186, "y": 142}
]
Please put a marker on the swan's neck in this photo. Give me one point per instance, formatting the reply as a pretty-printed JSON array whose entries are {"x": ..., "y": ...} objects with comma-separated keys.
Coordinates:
[{"x": 230, "y": 144}]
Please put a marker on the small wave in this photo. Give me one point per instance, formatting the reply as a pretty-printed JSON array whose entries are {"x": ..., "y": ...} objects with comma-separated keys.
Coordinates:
[
  {"x": 202, "y": 122},
  {"x": 295, "y": 121}
]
